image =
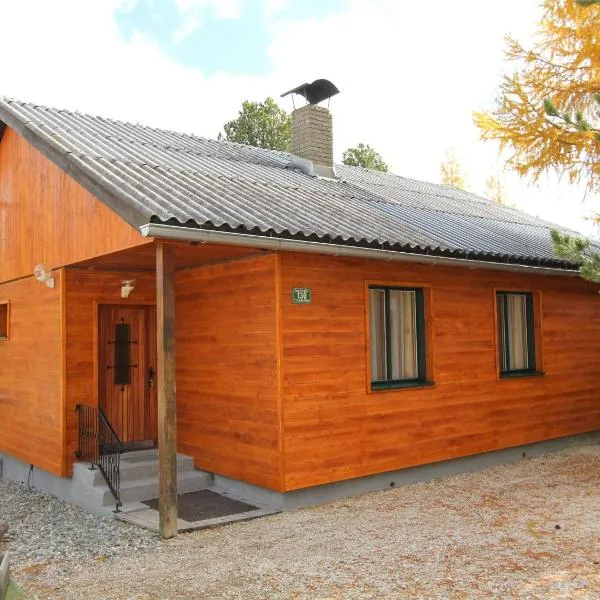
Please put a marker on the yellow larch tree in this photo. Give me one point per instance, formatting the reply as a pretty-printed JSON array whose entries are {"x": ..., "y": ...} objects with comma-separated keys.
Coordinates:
[
  {"x": 451, "y": 172},
  {"x": 548, "y": 112},
  {"x": 494, "y": 190}
]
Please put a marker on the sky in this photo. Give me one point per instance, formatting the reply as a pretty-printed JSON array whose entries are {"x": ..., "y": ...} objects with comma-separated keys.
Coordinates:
[{"x": 410, "y": 73}]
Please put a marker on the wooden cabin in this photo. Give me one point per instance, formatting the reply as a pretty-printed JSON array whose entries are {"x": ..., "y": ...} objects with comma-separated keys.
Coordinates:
[{"x": 319, "y": 329}]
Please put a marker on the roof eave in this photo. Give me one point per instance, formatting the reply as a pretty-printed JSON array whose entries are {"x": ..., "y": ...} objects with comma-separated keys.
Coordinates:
[{"x": 193, "y": 234}]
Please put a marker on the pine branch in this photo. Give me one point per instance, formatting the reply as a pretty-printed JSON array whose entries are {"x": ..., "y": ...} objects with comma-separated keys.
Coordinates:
[{"x": 577, "y": 251}]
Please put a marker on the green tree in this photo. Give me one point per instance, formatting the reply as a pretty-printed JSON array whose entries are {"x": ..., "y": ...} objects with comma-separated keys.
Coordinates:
[
  {"x": 578, "y": 250},
  {"x": 261, "y": 124},
  {"x": 364, "y": 156}
]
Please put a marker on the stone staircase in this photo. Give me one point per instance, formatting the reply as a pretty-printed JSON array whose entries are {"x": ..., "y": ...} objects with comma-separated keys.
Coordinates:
[{"x": 139, "y": 481}]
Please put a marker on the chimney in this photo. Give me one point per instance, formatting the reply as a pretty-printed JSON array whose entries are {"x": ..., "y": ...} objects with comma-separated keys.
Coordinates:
[
  {"x": 312, "y": 129},
  {"x": 312, "y": 134}
]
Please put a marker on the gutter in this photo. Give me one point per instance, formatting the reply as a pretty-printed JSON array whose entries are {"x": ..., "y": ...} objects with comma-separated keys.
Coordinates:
[{"x": 204, "y": 236}]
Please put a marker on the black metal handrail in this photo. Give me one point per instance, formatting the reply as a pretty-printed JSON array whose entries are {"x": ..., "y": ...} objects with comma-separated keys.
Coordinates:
[{"x": 100, "y": 445}]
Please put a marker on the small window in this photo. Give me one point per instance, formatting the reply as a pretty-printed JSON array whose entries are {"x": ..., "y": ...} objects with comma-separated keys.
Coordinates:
[
  {"x": 516, "y": 333},
  {"x": 122, "y": 354},
  {"x": 4, "y": 312},
  {"x": 397, "y": 328}
]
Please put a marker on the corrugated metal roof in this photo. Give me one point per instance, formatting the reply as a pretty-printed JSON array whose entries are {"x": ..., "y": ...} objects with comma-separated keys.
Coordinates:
[{"x": 173, "y": 178}]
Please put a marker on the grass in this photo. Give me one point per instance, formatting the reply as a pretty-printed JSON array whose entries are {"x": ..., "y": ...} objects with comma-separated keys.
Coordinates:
[{"x": 14, "y": 593}]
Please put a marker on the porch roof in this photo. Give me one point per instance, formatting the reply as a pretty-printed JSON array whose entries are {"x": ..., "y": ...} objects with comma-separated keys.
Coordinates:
[{"x": 156, "y": 176}]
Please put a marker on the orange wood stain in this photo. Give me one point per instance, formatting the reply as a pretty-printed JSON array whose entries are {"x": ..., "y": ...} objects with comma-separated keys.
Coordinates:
[
  {"x": 31, "y": 426},
  {"x": 269, "y": 392},
  {"x": 336, "y": 428},
  {"x": 227, "y": 387},
  {"x": 84, "y": 292},
  {"x": 130, "y": 407},
  {"x": 47, "y": 217}
]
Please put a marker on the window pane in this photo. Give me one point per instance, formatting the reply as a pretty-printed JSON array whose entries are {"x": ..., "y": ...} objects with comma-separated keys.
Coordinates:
[
  {"x": 515, "y": 332},
  {"x": 516, "y": 309},
  {"x": 502, "y": 331},
  {"x": 122, "y": 355},
  {"x": 403, "y": 330},
  {"x": 3, "y": 321},
  {"x": 377, "y": 318}
]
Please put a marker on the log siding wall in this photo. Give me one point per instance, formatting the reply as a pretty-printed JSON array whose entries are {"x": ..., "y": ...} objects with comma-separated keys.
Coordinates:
[
  {"x": 47, "y": 217},
  {"x": 227, "y": 378},
  {"x": 31, "y": 382},
  {"x": 336, "y": 428}
]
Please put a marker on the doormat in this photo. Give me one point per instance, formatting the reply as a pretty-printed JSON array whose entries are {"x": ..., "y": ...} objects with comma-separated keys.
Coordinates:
[
  {"x": 195, "y": 510},
  {"x": 205, "y": 504}
]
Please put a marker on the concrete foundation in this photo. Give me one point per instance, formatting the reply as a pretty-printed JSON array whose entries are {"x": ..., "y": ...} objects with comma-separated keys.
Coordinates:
[
  {"x": 383, "y": 481},
  {"x": 66, "y": 488},
  {"x": 75, "y": 491}
]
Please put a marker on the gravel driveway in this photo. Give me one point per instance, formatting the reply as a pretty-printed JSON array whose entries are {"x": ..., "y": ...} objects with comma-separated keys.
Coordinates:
[{"x": 527, "y": 530}]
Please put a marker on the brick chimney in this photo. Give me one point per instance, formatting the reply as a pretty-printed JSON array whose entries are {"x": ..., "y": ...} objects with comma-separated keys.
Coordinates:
[
  {"x": 312, "y": 136},
  {"x": 312, "y": 130}
]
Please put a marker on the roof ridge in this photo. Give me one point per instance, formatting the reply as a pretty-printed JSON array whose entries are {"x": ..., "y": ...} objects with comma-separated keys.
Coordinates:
[
  {"x": 475, "y": 198},
  {"x": 132, "y": 123}
]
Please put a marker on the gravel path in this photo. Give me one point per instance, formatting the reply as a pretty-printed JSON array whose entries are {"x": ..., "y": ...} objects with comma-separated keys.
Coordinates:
[
  {"x": 42, "y": 529},
  {"x": 527, "y": 530}
]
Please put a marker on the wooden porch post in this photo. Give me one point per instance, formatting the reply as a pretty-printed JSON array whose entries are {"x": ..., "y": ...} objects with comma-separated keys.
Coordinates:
[{"x": 167, "y": 421}]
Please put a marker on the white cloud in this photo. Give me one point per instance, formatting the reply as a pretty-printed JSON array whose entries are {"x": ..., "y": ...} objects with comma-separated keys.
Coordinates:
[
  {"x": 222, "y": 9},
  {"x": 186, "y": 28},
  {"x": 192, "y": 11},
  {"x": 410, "y": 73},
  {"x": 272, "y": 7}
]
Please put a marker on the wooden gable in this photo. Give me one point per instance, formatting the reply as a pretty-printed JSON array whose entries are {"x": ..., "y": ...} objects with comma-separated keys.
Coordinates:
[{"x": 47, "y": 217}]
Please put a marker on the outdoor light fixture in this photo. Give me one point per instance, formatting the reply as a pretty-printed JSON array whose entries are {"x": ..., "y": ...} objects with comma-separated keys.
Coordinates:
[
  {"x": 127, "y": 286},
  {"x": 43, "y": 274}
]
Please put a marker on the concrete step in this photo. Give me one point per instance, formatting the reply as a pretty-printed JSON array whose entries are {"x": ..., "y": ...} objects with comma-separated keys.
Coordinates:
[
  {"x": 143, "y": 469},
  {"x": 139, "y": 480},
  {"x": 147, "y": 469},
  {"x": 134, "y": 455},
  {"x": 147, "y": 489},
  {"x": 140, "y": 466}
]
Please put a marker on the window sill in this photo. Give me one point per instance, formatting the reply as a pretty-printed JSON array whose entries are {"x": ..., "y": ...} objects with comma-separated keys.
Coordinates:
[
  {"x": 399, "y": 385},
  {"x": 519, "y": 374}
]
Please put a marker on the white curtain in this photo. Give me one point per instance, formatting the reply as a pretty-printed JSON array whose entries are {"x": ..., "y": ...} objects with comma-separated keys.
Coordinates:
[
  {"x": 512, "y": 320},
  {"x": 403, "y": 317},
  {"x": 517, "y": 327},
  {"x": 403, "y": 335}
]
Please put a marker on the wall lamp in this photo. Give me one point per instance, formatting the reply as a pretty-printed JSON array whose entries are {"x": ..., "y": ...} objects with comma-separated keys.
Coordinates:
[
  {"x": 127, "y": 286},
  {"x": 43, "y": 274}
]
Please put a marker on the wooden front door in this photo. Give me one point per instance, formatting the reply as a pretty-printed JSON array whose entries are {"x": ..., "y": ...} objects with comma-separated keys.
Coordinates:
[{"x": 127, "y": 372}]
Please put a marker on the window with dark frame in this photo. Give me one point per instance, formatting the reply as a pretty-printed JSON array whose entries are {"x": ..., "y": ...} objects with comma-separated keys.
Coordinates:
[
  {"x": 4, "y": 320},
  {"x": 397, "y": 331},
  {"x": 516, "y": 333}
]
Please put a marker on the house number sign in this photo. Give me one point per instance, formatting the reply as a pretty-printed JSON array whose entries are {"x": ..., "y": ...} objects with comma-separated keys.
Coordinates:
[{"x": 301, "y": 296}]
